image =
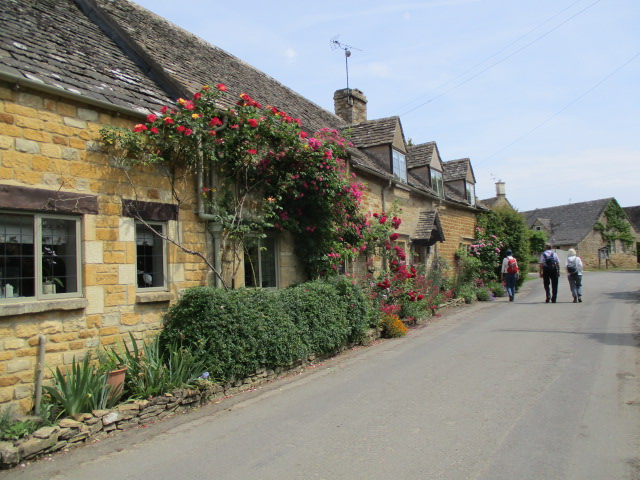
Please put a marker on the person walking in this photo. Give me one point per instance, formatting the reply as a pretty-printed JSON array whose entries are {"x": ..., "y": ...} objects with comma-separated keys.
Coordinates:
[
  {"x": 549, "y": 272},
  {"x": 574, "y": 275},
  {"x": 509, "y": 274}
]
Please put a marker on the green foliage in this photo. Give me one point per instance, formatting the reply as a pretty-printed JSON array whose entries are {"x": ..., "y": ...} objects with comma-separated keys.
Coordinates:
[
  {"x": 12, "y": 428},
  {"x": 241, "y": 331},
  {"x": 510, "y": 230},
  {"x": 81, "y": 390},
  {"x": 496, "y": 288},
  {"x": 617, "y": 226},
  {"x": 467, "y": 292},
  {"x": 152, "y": 370},
  {"x": 483, "y": 294},
  {"x": 537, "y": 241},
  {"x": 469, "y": 267}
]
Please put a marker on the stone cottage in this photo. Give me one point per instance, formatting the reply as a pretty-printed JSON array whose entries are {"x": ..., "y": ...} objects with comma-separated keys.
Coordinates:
[
  {"x": 581, "y": 226},
  {"x": 78, "y": 269}
]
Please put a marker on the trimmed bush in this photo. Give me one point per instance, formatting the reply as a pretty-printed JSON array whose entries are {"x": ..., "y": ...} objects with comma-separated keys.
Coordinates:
[{"x": 238, "y": 332}]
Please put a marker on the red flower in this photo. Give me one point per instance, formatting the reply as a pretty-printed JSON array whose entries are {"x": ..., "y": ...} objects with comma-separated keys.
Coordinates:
[
  {"x": 189, "y": 105},
  {"x": 139, "y": 128},
  {"x": 252, "y": 122},
  {"x": 215, "y": 121},
  {"x": 180, "y": 128},
  {"x": 164, "y": 109},
  {"x": 382, "y": 219},
  {"x": 304, "y": 134},
  {"x": 252, "y": 151},
  {"x": 212, "y": 133},
  {"x": 151, "y": 118},
  {"x": 154, "y": 130},
  {"x": 394, "y": 236},
  {"x": 168, "y": 121},
  {"x": 235, "y": 127},
  {"x": 188, "y": 131},
  {"x": 197, "y": 96},
  {"x": 222, "y": 87}
]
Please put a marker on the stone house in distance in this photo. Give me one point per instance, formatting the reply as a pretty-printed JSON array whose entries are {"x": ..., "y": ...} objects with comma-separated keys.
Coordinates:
[
  {"x": 576, "y": 226},
  {"x": 77, "y": 270}
]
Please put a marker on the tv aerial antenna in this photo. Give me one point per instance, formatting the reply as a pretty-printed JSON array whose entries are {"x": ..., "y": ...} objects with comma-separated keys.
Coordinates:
[{"x": 336, "y": 44}]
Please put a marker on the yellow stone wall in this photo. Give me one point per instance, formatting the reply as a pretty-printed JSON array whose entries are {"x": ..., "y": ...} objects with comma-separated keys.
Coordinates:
[
  {"x": 49, "y": 142},
  {"x": 459, "y": 226}
]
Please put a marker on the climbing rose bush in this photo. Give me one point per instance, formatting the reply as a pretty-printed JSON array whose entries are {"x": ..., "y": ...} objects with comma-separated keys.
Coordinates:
[{"x": 269, "y": 174}]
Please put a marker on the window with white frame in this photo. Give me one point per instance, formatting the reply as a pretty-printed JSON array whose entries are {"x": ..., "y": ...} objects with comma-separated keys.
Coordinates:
[
  {"x": 151, "y": 258},
  {"x": 260, "y": 268},
  {"x": 471, "y": 193},
  {"x": 40, "y": 256},
  {"x": 437, "y": 182},
  {"x": 399, "y": 165}
]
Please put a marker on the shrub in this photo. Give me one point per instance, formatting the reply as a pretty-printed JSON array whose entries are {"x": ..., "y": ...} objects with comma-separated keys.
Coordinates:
[
  {"x": 12, "y": 428},
  {"x": 240, "y": 331},
  {"x": 483, "y": 294},
  {"x": 467, "y": 292},
  {"x": 392, "y": 326},
  {"x": 496, "y": 288}
]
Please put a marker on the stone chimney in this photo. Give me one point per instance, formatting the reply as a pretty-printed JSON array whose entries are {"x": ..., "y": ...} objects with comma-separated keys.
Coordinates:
[
  {"x": 500, "y": 189},
  {"x": 350, "y": 104}
]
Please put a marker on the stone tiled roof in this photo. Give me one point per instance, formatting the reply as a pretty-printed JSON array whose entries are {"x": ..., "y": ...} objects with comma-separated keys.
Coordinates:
[
  {"x": 456, "y": 169},
  {"x": 634, "y": 216},
  {"x": 420, "y": 155},
  {"x": 373, "y": 132},
  {"x": 53, "y": 43},
  {"x": 429, "y": 229},
  {"x": 569, "y": 224},
  {"x": 193, "y": 62}
]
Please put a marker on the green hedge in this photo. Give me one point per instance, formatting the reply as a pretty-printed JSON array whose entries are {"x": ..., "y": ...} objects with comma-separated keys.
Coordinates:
[{"x": 238, "y": 332}]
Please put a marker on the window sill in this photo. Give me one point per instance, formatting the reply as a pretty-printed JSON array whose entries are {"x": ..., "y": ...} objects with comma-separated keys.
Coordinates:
[
  {"x": 153, "y": 297},
  {"x": 37, "y": 306}
]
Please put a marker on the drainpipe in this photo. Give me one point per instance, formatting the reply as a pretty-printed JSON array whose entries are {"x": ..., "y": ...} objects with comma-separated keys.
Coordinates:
[
  {"x": 42, "y": 340},
  {"x": 384, "y": 210}
]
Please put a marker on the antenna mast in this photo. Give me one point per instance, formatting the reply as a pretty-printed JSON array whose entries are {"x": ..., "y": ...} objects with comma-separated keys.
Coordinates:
[{"x": 335, "y": 44}]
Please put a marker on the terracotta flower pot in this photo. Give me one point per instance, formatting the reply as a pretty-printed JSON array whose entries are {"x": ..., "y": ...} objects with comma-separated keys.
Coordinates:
[{"x": 116, "y": 380}]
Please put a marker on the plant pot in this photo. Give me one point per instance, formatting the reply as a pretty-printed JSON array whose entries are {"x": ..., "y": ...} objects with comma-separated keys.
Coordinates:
[
  {"x": 49, "y": 289},
  {"x": 116, "y": 380}
]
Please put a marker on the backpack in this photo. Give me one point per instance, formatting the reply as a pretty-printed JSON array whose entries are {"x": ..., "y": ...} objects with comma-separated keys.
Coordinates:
[
  {"x": 572, "y": 266},
  {"x": 550, "y": 265},
  {"x": 512, "y": 266}
]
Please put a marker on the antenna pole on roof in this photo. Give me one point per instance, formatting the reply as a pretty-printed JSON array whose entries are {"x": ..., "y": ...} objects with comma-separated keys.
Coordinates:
[{"x": 334, "y": 43}]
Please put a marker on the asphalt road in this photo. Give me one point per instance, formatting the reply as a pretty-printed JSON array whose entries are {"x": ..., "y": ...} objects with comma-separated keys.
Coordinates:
[{"x": 496, "y": 390}]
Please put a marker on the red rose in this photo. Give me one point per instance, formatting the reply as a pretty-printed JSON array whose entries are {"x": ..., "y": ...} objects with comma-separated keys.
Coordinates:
[
  {"x": 252, "y": 151},
  {"x": 197, "y": 96},
  {"x": 188, "y": 131},
  {"x": 168, "y": 121},
  {"x": 215, "y": 121},
  {"x": 222, "y": 87},
  {"x": 394, "y": 236},
  {"x": 253, "y": 122},
  {"x": 164, "y": 109},
  {"x": 151, "y": 118},
  {"x": 139, "y": 128},
  {"x": 154, "y": 130},
  {"x": 180, "y": 128},
  {"x": 382, "y": 219}
]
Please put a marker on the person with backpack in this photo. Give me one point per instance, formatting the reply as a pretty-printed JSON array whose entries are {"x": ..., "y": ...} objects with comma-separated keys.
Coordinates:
[
  {"x": 574, "y": 275},
  {"x": 510, "y": 274},
  {"x": 549, "y": 272}
]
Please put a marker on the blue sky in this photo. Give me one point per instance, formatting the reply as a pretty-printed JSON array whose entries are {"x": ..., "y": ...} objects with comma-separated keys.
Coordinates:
[{"x": 543, "y": 95}]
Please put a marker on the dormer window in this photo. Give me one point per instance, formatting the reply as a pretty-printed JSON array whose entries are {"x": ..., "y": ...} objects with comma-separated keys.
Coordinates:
[
  {"x": 471, "y": 193},
  {"x": 399, "y": 165},
  {"x": 437, "y": 182}
]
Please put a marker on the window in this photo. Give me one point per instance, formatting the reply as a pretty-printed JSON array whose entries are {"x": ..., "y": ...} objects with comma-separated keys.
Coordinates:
[
  {"x": 39, "y": 256},
  {"x": 437, "y": 183},
  {"x": 612, "y": 246},
  {"x": 537, "y": 228},
  {"x": 260, "y": 262},
  {"x": 471, "y": 193},
  {"x": 399, "y": 165},
  {"x": 151, "y": 256}
]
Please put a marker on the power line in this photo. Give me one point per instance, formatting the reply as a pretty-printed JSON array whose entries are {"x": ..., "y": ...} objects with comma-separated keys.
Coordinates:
[
  {"x": 496, "y": 53},
  {"x": 502, "y": 60},
  {"x": 562, "y": 109}
]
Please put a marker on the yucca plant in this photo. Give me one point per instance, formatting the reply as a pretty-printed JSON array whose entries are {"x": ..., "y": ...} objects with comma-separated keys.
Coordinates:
[
  {"x": 153, "y": 372},
  {"x": 81, "y": 389}
]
